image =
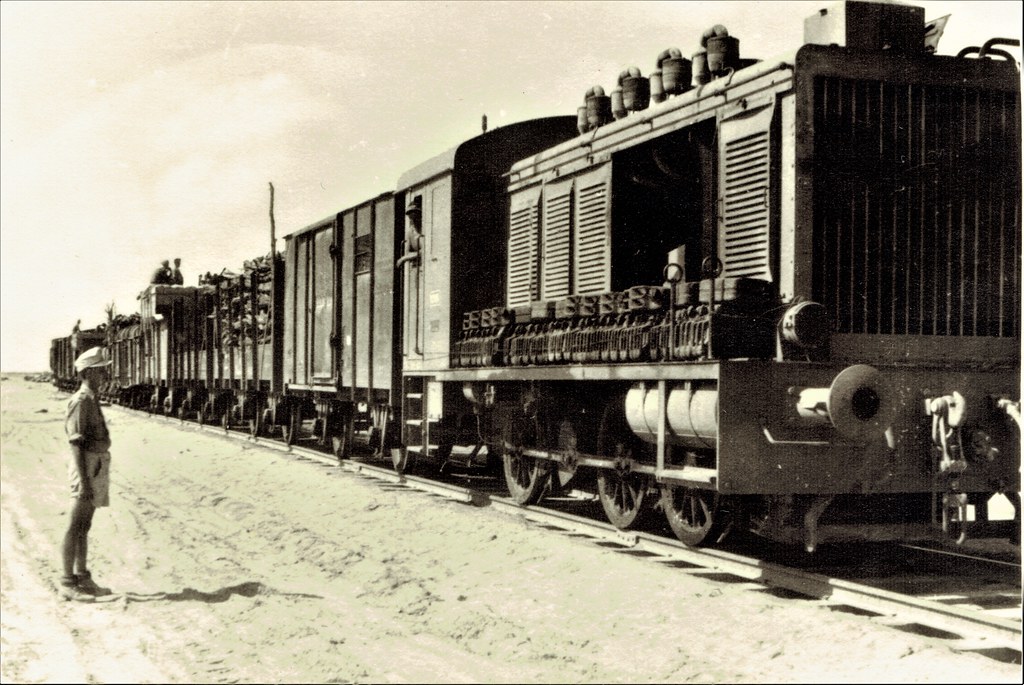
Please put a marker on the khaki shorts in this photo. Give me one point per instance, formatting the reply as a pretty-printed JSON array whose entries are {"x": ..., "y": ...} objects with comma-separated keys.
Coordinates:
[{"x": 98, "y": 465}]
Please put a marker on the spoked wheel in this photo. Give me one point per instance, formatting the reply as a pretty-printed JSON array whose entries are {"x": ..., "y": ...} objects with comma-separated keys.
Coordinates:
[
  {"x": 526, "y": 477},
  {"x": 622, "y": 492},
  {"x": 693, "y": 514},
  {"x": 622, "y": 496},
  {"x": 567, "y": 468},
  {"x": 290, "y": 428}
]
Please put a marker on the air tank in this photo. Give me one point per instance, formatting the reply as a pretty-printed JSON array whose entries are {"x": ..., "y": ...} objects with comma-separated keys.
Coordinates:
[{"x": 691, "y": 414}]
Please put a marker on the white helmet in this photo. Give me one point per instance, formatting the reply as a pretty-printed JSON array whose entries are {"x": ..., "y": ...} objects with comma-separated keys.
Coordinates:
[{"x": 90, "y": 358}]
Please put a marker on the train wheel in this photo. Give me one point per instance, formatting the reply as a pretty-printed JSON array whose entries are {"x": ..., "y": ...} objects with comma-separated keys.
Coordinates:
[
  {"x": 336, "y": 434},
  {"x": 339, "y": 444},
  {"x": 400, "y": 459},
  {"x": 256, "y": 425},
  {"x": 621, "y": 491},
  {"x": 692, "y": 513},
  {"x": 622, "y": 496},
  {"x": 526, "y": 477},
  {"x": 290, "y": 429}
]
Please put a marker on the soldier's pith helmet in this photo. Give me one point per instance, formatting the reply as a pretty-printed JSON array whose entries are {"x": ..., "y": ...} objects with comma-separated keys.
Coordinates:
[{"x": 90, "y": 358}]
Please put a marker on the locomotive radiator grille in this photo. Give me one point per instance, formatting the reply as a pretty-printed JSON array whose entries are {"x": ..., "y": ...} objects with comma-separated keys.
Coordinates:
[
  {"x": 917, "y": 208},
  {"x": 557, "y": 244},
  {"x": 522, "y": 256},
  {"x": 745, "y": 207},
  {"x": 592, "y": 240}
]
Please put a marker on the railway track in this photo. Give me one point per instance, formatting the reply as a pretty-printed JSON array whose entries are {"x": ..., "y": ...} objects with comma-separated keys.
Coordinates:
[{"x": 972, "y": 602}]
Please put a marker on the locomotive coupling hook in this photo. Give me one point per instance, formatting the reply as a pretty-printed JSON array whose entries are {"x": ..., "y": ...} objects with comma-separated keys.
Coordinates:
[
  {"x": 955, "y": 501},
  {"x": 947, "y": 414},
  {"x": 1011, "y": 407}
]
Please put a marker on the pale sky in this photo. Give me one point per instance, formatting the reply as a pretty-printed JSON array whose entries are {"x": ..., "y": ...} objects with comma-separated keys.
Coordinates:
[{"x": 136, "y": 132}]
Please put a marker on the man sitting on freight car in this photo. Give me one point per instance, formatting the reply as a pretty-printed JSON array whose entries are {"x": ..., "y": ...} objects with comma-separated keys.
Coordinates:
[
  {"x": 162, "y": 276},
  {"x": 176, "y": 277},
  {"x": 88, "y": 473}
]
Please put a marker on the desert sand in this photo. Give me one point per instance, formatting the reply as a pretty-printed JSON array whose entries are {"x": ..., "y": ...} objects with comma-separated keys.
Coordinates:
[{"x": 229, "y": 562}]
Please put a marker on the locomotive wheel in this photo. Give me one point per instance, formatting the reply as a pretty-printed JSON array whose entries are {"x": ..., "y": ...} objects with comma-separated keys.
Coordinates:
[
  {"x": 622, "y": 496},
  {"x": 692, "y": 513},
  {"x": 621, "y": 491},
  {"x": 526, "y": 477}
]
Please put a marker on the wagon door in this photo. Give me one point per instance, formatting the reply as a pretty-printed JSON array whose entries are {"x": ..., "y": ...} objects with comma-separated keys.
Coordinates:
[
  {"x": 321, "y": 300},
  {"x": 310, "y": 308}
]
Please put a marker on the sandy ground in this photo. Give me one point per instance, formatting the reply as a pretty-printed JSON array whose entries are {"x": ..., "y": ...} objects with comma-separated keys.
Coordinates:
[{"x": 233, "y": 563}]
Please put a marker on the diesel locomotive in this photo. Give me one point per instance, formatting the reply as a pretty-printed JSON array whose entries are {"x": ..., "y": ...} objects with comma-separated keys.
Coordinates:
[{"x": 777, "y": 295}]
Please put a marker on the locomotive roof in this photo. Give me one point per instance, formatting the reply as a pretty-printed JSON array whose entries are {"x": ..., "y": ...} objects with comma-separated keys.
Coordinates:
[
  {"x": 656, "y": 120},
  {"x": 446, "y": 161},
  {"x": 753, "y": 83}
]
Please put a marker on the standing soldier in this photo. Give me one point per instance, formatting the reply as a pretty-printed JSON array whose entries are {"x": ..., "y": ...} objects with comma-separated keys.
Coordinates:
[
  {"x": 176, "y": 277},
  {"x": 88, "y": 473},
  {"x": 162, "y": 276}
]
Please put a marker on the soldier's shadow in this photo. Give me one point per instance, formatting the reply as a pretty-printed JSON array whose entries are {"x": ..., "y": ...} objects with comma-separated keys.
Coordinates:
[{"x": 250, "y": 589}]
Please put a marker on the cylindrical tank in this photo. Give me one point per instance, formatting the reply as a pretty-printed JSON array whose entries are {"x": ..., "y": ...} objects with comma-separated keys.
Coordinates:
[
  {"x": 676, "y": 71},
  {"x": 723, "y": 53},
  {"x": 657, "y": 87},
  {"x": 599, "y": 107},
  {"x": 691, "y": 415},
  {"x": 701, "y": 75},
  {"x": 636, "y": 90},
  {"x": 618, "y": 108}
]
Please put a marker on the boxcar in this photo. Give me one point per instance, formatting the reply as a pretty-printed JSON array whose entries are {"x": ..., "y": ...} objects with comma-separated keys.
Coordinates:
[{"x": 339, "y": 366}]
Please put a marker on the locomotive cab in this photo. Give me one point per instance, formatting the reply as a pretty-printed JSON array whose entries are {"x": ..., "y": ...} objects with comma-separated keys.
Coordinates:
[{"x": 452, "y": 262}]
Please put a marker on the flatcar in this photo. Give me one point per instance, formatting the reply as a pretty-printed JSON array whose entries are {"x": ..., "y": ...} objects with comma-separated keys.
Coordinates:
[{"x": 781, "y": 296}]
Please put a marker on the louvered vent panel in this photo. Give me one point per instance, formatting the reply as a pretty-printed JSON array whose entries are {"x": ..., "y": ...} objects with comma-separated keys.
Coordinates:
[
  {"x": 745, "y": 214},
  {"x": 917, "y": 208},
  {"x": 592, "y": 272},
  {"x": 522, "y": 257},
  {"x": 557, "y": 241}
]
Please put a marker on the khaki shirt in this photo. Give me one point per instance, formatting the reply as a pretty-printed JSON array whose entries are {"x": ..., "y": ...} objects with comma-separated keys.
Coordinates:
[{"x": 85, "y": 424}]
